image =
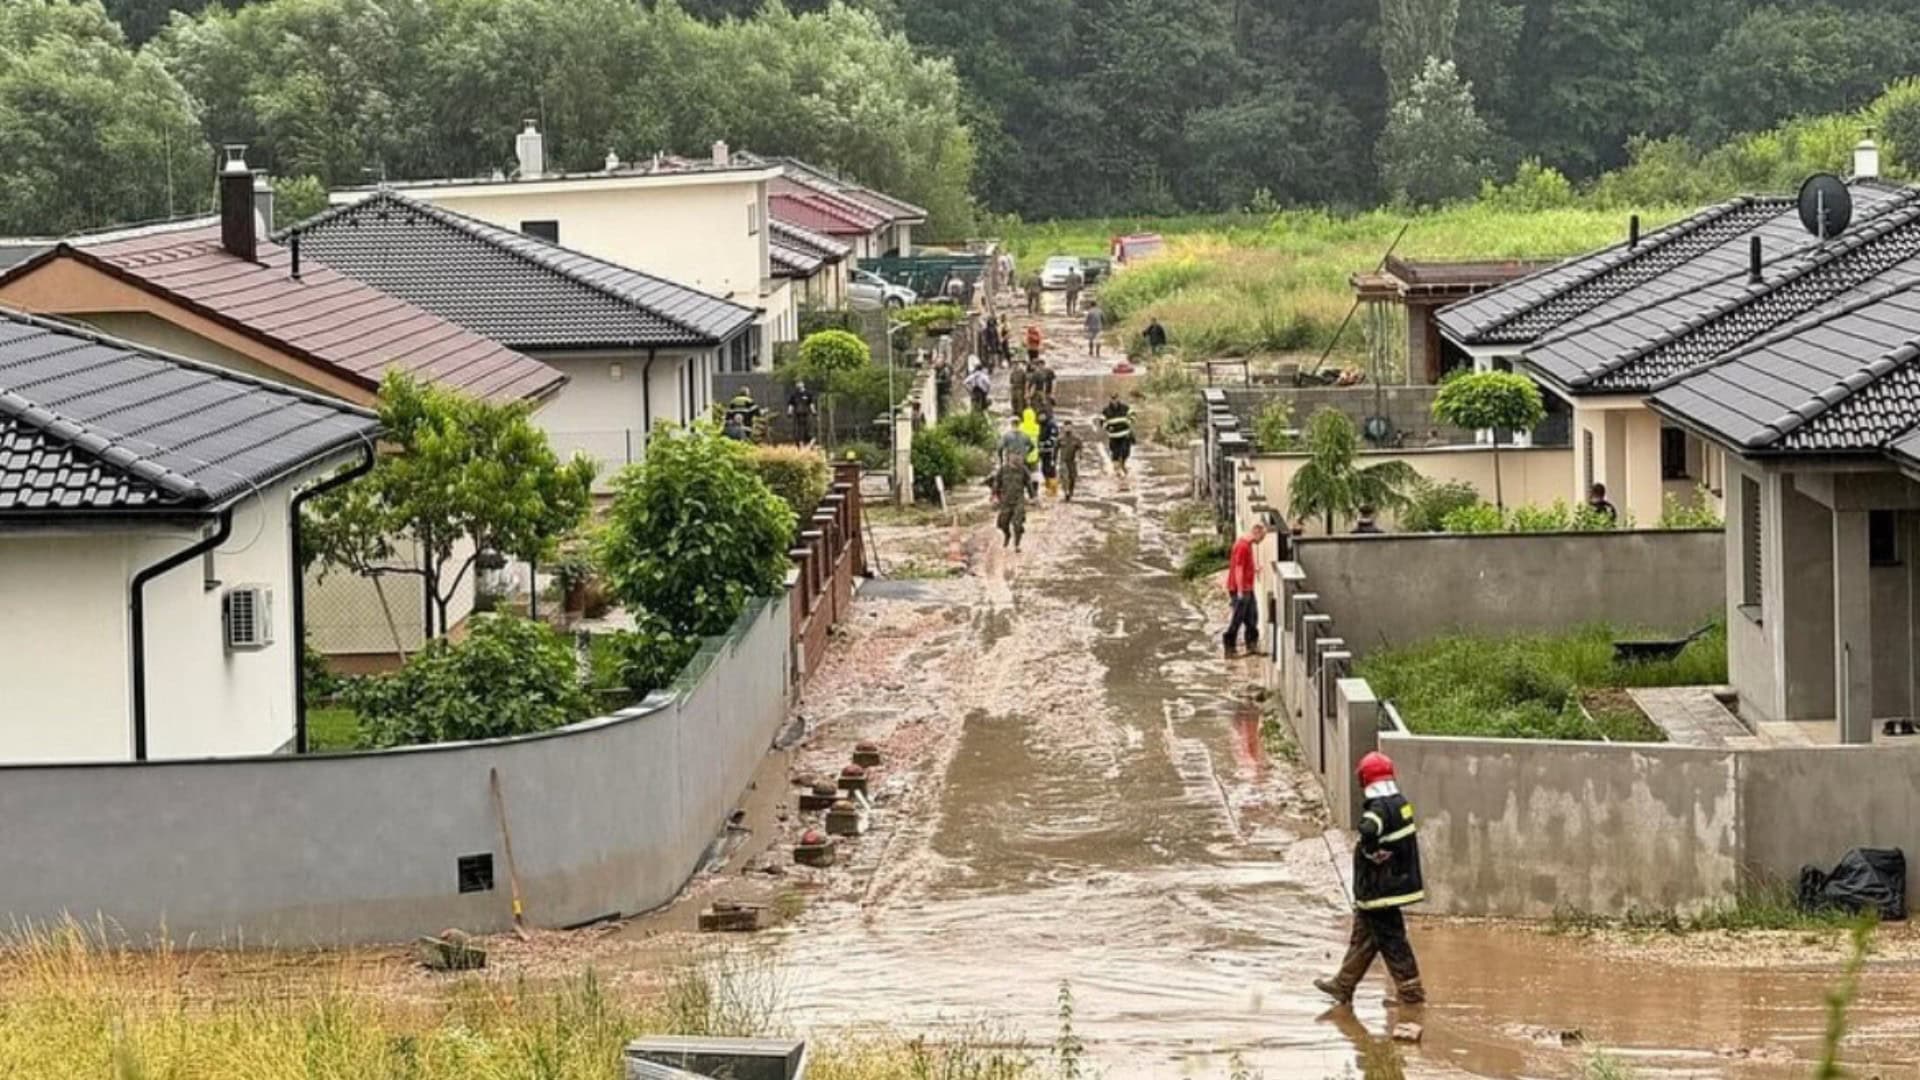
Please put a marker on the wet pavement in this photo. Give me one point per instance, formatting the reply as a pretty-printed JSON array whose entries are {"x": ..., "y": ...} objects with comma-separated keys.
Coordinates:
[{"x": 1076, "y": 794}]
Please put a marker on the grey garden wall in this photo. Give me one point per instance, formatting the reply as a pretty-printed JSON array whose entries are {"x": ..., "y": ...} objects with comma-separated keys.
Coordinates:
[
  {"x": 1524, "y": 827},
  {"x": 608, "y": 817},
  {"x": 1394, "y": 589},
  {"x": 1810, "y": 804}
]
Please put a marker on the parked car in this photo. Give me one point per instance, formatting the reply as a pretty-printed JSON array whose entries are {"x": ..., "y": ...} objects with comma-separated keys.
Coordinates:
[
  {"x": 869, "y": 290},
  {"x": 1095, "y": 269},
  {"x": 1053, "y": 275}
]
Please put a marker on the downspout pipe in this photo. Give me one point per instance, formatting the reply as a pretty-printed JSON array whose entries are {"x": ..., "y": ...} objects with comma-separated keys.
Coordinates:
[
  {"x": 646, "y": 397},
  {"x": 299, "y": 500},
  {"x": 138, "y": 607}
]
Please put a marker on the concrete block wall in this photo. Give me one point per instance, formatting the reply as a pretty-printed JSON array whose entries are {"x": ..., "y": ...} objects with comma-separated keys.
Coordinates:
[
  {"x": 610, "y": 816},
  {"x": 1408, "y": 408}
]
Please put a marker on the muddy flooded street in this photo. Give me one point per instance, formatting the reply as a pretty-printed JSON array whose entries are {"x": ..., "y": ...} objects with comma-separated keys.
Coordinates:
[{"x": 1076, "y": 793}]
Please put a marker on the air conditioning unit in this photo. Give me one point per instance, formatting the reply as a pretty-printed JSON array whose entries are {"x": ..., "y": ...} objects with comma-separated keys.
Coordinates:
[{"x": 247, "y": 611}]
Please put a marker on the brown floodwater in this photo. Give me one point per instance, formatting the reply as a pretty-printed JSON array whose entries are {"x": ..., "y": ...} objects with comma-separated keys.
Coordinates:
[{"x": 1106, "y": 820}]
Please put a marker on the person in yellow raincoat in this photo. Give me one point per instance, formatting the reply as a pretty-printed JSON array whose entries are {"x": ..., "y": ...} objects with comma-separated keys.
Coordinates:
[{"x": 1030, "y": 425}]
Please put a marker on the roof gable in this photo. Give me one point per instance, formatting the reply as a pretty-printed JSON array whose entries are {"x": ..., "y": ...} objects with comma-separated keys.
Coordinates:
[
  {"x": 90, "y": 424},
  {"x": 323, "y": 318},
  {"x": 513, "y": 288}
]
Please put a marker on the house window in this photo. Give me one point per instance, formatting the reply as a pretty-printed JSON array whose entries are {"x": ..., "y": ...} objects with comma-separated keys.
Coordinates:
[
  {"x": 544, "y": 230},
  {"x": 1673, "y": 454},
  {"x": 1883, "y": 538},
  {"x": 753, "y": 218},
  {"x": 1586, "y": 459},
  {"x": 475, "y": 872},
  {"x": 1749, "y": 542}
]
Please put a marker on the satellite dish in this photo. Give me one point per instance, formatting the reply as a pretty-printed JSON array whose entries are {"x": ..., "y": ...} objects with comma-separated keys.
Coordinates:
[{"x": 1826, "y": 206}]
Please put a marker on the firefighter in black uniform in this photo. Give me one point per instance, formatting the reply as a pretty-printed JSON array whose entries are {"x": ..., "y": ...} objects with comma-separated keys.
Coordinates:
[{"x": 1386, "y": 878}]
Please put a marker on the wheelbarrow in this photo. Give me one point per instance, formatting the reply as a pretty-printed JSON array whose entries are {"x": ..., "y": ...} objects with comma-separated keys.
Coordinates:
[{"x": 1650, "y": 650}]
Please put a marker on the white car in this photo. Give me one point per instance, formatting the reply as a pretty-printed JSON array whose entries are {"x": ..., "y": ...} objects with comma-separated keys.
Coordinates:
[
  {"x": 1053, "y": 275},
  {"x": 869, "y": 290}
]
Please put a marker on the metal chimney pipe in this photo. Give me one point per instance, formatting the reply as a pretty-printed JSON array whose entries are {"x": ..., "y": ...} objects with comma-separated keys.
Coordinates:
[
  {"x": 1633, "y": 232},
  {"x": 1754, "y": 273}
]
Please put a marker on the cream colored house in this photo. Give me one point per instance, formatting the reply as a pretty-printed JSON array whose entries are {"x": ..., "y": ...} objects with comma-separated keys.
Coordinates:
[
  {"x": 1820, "y": 424},
  {"x": 702, "y": 224},
  {"x": 1601, "y": 331},
  {"x": 149, "y": 596},
  {"x": 638, "y": 350}
]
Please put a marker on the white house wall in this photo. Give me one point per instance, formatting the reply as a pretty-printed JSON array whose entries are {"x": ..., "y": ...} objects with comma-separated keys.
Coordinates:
[
  {"x": 602, "y": 410},
  {"x": 63, "y": 653},
  {"x": 65, "y": 643}
]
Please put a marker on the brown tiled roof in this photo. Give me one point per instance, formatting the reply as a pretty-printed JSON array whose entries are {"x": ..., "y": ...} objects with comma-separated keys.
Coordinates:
[{"x": 330, "y": 320}]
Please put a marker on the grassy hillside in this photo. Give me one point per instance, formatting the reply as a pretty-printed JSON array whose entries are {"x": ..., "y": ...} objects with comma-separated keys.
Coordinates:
[{"x": 1246, "y": 284}]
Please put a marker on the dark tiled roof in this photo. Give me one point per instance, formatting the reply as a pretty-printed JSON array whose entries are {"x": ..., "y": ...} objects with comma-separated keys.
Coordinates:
[
  {"x": 339, "y": 325},
  {"x": 1485, "y": 319},
  {"x": 817, "y": 244},
  {"x": 516, "y": 289},
  {"x": 90, "y": 424},
  {"x": 1843, "y": 381},
  {"x": 1637, "y": 351}
]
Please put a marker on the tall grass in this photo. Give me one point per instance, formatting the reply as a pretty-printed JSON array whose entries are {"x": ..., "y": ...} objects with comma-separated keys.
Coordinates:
[
  {"x": 75, "y": 1008},
  {"x": 1529, "y": 686},
  {"x": 1244, "y": 284}
]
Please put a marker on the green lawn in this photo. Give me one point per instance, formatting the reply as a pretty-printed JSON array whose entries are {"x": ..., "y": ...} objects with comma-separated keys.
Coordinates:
[
  {"x": 333, "y": 727},
  {"x": 1532, "y": 686}
]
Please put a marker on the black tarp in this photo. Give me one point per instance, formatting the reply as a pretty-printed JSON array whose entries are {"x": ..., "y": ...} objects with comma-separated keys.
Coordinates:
[{"x": 1865, "y": 879}]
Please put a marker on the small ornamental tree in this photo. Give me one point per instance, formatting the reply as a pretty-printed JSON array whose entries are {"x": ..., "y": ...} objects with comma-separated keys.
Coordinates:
[
  {"x": 826, "y": 352},
  {"x": 692, "y": 534},
  {"x": 1333, "y": 484},
  {"x": 1497, "y": 400},
  {"x": 461, "y": 479}
]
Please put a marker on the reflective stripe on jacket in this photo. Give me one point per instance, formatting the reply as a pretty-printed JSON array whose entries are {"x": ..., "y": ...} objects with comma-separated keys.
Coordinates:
[{"x": 1387, "y": 827}]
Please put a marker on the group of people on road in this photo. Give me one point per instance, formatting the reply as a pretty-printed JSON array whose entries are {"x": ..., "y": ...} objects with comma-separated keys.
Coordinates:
[
  {"x": 743, "y": 414},
  {"x": 1042, "y": 452}
]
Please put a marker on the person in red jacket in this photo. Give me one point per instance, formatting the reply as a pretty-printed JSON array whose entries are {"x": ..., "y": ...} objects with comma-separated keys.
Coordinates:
[{"x": 1240, "y": 578}]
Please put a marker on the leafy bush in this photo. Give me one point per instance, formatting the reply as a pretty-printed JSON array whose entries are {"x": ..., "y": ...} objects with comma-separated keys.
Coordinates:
[
  {"x": 798, "y": 474},
  {"x": 974, "y": 461},
  {"x": 1696, "y": 513},
  {"x": 812, "y": 320},
  {"x": 870, "y": 455},
  {"x": 1169, "y": 376},
  {"x": 1534, "y": 187},
  {"x": 1478, "y": 518},
  {"x": 969, "y": 428},
  {"x": 1529, "y": 686},
  {"x": 1273, "y": 430},
  {"x": 693, "y": 532},
  {"x": 1536, "y": 519},
  {"x": 1204, "y": 558},
  {"x": 922, "y": 318},
  {"x": 936, "y": 454},
  {"x": 318, "y": 681},
  {"x": 509, "y": 676},
  {"x": 650, "y": 656},
  {"x": 1430, "y": 503},
  {"x": 1333, "y": 485}
]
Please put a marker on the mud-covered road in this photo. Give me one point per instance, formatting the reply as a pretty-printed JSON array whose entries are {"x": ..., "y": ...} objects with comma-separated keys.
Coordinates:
[{"x": 1076, "y": 793}]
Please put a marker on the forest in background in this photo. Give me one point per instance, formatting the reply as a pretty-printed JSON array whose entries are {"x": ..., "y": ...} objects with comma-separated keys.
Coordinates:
[{"x": 1037, "y": 108}]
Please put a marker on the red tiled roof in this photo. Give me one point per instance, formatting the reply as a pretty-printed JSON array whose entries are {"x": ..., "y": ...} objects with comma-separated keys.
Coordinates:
[
  {"x": 822, "y": 212},
  {"x": 334, "y": 322}
]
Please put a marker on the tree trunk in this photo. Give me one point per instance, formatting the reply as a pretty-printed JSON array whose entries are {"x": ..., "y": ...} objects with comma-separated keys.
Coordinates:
[
  {"x": 1499, "y": 501},
  {"x": 393, "y": 625}
]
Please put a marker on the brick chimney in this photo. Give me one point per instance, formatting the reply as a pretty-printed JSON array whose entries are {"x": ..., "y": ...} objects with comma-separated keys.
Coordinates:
[{"x": 239, "y": 232}]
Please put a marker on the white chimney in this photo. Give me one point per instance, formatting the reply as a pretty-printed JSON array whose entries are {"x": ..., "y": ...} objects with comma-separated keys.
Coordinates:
[
  {"x": 262, "y": 203},
  {"x": 720, "y": 154},
  {"x": 1866, "y": 158},
  {"x": 613, "y": 161},
  {"x": 531, "y": 149}
]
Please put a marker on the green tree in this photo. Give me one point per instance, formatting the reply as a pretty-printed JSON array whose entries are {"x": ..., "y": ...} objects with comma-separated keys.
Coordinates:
[
  {"x": 827, "y": 352},
  {"x": 508, "y": 676},
  {"x": 1500, "y": 401},
  {"x": 461, "y": 480},
  {"x": 1434, "y": 149},
  {"x": 1413, "y": 32},
  {"x": 1782, "y": 62},
  {"x": 1333, "y": 484},
  {"x": 91, "y": 133},
  {"x": 297, "y": 198},
  {"x": 694, "y": 532}
]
